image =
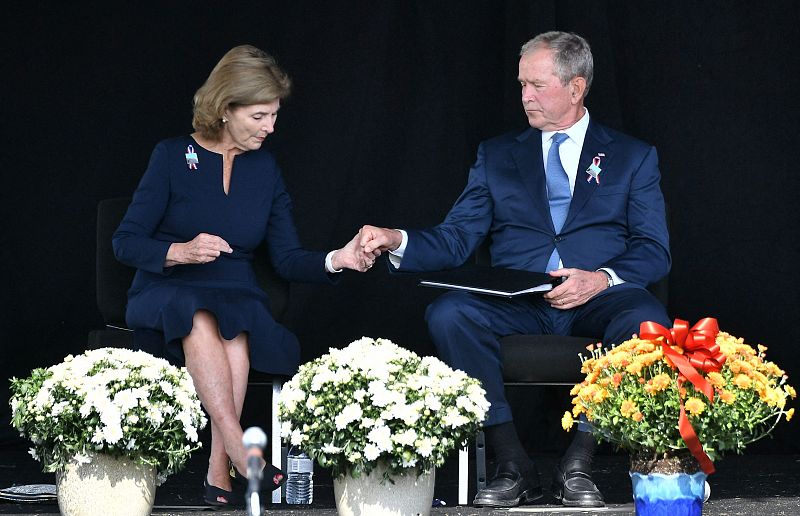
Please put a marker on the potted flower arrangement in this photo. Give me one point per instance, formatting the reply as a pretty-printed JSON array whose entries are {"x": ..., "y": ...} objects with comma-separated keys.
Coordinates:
[
  {"x": 678, "y": 399},
  {"x": 108, "y": 416},
  {"x": 378, "y": 414}
]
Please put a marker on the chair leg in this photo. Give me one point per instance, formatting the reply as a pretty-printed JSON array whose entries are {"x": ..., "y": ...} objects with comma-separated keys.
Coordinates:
[
  {"x": 276, "y": 449},
  {"x": 463, "y": 475},
  {"x": 480, "y": 460}
]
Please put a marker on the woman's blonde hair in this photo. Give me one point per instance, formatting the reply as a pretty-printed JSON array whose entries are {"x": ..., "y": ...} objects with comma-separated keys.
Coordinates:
[{"x": 244, "y": 76}]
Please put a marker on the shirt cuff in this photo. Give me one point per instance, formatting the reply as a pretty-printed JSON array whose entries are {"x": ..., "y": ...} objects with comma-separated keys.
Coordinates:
[
  {"x": 615, "y": 280},
  {"x": 329, "y": 263},
  {"x": 396, "y": 256}
]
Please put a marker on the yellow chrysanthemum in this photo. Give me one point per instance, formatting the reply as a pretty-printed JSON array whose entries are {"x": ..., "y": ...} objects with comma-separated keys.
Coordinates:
[
  {"x": 716, "y": 379},
  {"x": 790, "y": 390},
  {"x": 773, "y": 398},
  {"x": 789, "y": 414},
  {"x": 587, "y": 392},
  {"x": 727, "y": 397},
  {"x": 694, "y": 406},
  {"x": 599, "y": 396},
  {"x": 742, "y": 381},
  {"x": 567, "y": 421},
  {"x": 635, "y": 367},
  {"x": 628, "y": 408},
  {"x": 645, "y": 346},
  {"x": 638, "y": 416},
  {"x": 619, "y": 360}
]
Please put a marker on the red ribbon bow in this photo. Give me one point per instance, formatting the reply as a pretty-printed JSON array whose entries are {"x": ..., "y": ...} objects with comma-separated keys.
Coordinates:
[{"x": 700, "y": 352}]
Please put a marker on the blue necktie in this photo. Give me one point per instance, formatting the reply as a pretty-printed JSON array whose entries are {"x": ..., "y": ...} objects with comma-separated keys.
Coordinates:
[{"x": 558, "y": 193}]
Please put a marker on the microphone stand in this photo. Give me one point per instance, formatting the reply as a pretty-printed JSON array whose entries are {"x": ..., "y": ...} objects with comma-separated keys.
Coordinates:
[{"x": 254, "y": 439}]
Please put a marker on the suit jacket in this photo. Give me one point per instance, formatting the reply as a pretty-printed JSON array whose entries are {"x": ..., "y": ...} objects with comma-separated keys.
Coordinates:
[{"x": 617, "y": 223}]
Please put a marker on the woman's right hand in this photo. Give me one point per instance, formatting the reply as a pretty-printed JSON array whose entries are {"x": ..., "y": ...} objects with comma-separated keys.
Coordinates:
[{"x": 203, "y": 248}]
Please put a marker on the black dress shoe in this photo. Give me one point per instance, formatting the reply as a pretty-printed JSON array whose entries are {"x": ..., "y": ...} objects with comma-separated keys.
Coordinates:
[
  {"x": 574, "y": 487},
  {"x": 510, "y": 487}
]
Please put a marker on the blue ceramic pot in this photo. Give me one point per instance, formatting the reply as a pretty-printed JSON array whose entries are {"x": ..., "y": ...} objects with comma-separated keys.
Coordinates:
[{"x": 679, "y": 494}]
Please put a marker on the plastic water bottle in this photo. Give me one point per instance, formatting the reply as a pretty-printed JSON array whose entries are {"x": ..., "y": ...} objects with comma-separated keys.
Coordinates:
[{"x": 299, "y": 477}]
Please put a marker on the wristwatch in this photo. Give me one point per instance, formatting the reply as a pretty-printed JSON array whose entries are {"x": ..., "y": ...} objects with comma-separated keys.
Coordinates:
[{"x": 608, "y": 276}]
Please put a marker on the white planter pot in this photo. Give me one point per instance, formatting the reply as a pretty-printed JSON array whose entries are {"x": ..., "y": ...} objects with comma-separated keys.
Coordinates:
[
  {"x": 106, "y": 486},
  {"x": 409, "y": 495}
]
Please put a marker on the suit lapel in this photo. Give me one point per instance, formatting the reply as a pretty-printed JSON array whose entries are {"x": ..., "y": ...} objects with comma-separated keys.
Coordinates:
[
  {"x": 527, "y": 156},
  {"x": 596, "y": 142}
]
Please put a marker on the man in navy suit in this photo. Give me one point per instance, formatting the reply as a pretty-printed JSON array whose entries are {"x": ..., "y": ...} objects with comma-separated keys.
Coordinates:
[{"x": 567, "y": 196}]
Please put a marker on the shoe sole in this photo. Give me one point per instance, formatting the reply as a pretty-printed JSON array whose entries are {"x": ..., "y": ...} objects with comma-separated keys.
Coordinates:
[{"x": 528, "y": 496}]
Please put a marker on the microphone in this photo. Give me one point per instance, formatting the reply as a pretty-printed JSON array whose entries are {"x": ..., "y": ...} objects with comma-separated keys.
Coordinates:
[{"x": 254, "y": 440}]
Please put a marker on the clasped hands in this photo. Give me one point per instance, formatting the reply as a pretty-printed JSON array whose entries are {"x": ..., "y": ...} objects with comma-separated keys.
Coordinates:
[{"x": 365, "y": 247}]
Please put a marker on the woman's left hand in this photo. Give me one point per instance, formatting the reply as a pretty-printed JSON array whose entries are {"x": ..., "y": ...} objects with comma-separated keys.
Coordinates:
[{"x": 352, "y": 256}]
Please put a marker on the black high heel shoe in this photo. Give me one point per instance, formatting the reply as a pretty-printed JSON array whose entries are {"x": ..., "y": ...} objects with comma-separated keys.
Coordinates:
[
  {"x": 218, "y": 497},
  {"x": 272, "y": 478}
]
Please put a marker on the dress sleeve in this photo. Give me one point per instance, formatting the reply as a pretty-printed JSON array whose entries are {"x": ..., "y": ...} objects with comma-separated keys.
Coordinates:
[
  {"x": 290, "y": 260},
  {"x": 132, "y": 241}
]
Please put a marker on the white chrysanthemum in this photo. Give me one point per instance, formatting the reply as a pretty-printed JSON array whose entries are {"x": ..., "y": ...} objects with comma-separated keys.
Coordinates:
[
  {"x": 382, "y": 437},
  {"x": 453, "y": 418},
  {"x": 43, "y": 398},
  {"x": 406, "y": 437},
  {"x": 371, "y": 452},
  {"x": 350, "y": 413},
  {"x": 409, "y": 414},
  {"x": 424, "y": 446},
  {"x": 381, "y": 396},
  {"x": 433, "y": 402},
  {"x": 58, "y": 408},
  {"x": 126, "y": 400},
  {"x": 321, "y": 378},
  {"x": 331, "y": 449},
  {"x": 296, "y": 438}
]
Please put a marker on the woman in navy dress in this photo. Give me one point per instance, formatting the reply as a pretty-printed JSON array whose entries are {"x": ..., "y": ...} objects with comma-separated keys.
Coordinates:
[{"x": 204, "y": 204}]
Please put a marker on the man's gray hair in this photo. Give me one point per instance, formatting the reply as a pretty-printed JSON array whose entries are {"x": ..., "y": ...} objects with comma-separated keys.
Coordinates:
[{"x": 572, "y": 56}]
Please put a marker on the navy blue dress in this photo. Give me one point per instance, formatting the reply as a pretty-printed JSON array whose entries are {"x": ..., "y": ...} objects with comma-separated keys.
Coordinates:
[{"x": 175, "y": 203}]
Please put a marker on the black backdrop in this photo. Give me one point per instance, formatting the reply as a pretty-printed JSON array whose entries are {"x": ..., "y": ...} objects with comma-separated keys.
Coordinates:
[{"x": 390, "y": 102}]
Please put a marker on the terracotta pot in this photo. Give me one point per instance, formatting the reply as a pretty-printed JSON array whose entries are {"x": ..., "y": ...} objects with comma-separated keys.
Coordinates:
[{"x": 105, "y": 486}]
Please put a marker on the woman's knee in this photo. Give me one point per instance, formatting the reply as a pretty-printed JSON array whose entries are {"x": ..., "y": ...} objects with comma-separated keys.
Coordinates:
[{"x": 204, "y": 325}]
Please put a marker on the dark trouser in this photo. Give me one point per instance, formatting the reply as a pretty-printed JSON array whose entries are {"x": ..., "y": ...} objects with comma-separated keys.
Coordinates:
[{"x": 466, "y": 327}]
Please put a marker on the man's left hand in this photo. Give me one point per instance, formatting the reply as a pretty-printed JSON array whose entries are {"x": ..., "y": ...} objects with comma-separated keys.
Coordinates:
[{"x": 579, "y": 286}]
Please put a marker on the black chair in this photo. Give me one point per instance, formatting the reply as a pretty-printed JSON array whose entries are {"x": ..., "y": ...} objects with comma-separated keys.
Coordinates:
[
  {"x": 114, "y": 278},
  {"x": 534, "y": 360}
]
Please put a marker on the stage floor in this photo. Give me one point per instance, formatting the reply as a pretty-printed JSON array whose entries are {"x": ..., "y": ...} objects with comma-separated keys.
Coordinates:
[{"x": 743, "y": 485}]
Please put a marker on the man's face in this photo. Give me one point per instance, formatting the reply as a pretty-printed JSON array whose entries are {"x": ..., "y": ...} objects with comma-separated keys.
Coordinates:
[{"x": 549, "y": 105}]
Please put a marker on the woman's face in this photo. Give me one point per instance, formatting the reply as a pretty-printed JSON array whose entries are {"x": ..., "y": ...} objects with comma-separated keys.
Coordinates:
[{"x": 248, "y": 126}]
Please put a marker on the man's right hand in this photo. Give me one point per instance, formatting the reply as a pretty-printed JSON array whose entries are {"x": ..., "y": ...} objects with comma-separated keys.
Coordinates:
[
  {"x": 203, "y": 248},
  {"x": 380, "y": 239}
]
